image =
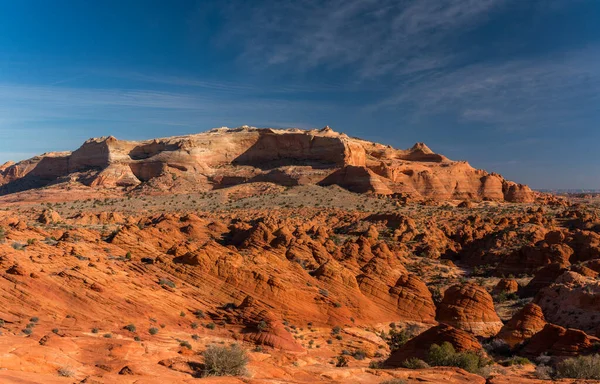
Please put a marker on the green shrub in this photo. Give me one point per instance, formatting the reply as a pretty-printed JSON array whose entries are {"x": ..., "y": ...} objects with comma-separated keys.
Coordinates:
[
  {"x": 446, "y": 356},
  {"x": 107, "y": 335},
  {"x": 130, "y": 327},
  {"x": 210, "y": 325},
  {"x": 580, "y": 367},
  {"x": 153, "y": 331},
  {"x": 414, "y": 363},
  {"x": 359, "y": 354},
  {"x": 516, "y": 360},
  {"x": 396, "y": 339},
  {"x": 95, "y": 330},
  {"x": 224, "y": 361}
]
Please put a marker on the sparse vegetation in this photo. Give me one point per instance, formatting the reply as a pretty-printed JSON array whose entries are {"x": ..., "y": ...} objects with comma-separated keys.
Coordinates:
[
  {"x": 580, "y": 367},
  {"x": 225, "y": 361},
  {"x": 153, "y": 331},
  {"x": 446, "y": 356},
  {"x": 65, "y": 372}
]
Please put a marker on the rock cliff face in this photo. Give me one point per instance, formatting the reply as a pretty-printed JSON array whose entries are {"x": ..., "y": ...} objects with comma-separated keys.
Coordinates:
[{"x": 224, "y": 157}]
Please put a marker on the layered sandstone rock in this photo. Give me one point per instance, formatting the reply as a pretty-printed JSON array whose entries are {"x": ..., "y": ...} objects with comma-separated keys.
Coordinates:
[
  {"x": 225, "y": 157},
  {"x": 419, "y": 346},
  {"x": 471, "y": 308},
  {"x": 558, "y": 341},
  {"x": 572, "y": 301},
  {"x": 523, "y": 325}
]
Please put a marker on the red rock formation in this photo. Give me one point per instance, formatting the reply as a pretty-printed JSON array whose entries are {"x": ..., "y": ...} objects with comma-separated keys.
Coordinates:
[
  {"x": 506, "y": 286},
  {"x": 469, "y": 307},
  {"x": 419, "y": 346},
  {"x": 558, "y": 341},
  {"x": 225, "y": 157},
  {"x": 523, "y": 325},
  {"x": 572, "y": 301}
]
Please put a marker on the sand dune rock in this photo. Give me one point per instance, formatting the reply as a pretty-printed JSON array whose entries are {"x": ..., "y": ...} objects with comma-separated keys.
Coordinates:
[
  {"x": 572, "y": 301},
  {"x": 419, "y": 346},
  {"x": 469, "y": 307},
  {"x": 226, "y": 157},
  {"x": 558, "y": 341},
  {"x": 523, "y": 325}
]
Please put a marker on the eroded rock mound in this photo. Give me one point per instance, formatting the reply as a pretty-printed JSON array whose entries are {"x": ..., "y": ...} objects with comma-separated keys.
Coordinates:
[
  {"x": 471, "y": 308},
  {"x": 523, "y": 325},
  {"x": 419, "y": 346}
]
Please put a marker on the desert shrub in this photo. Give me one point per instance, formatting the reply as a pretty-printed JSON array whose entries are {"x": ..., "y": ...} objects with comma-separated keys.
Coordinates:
[
  {"x": 396, "y": 339},
  {"x": 107, "y": 335},
  {"x": 185, "y": 344},
  {"x": 341, "y": 361},
  {"x": 130, "y": 327},
  {"x": 194, "y": 325},
  {"x": 544, "y": 372},
  {"x": 262, "y": 325},
  {"x": 446, "y": 356},
  {"x": 376, "y": 364},
  {"x": 153, "y": 331},
  {"x": 414, "y": 363},
  {"x": 394, "y": 381},
  {"x": 336, "y": 330},
  {"x": 34, "y": 319},
  {"x": 95, "y": 330},
  {"x": 167, "y": 282},
  {"x": 359, "y": 354},
  {"x": 27, "y": 331},
  {"x": 55, "y": 330},
  {"x": 224, "y": 361},
  {"x": 182, "y": 314},
  {"x": 65, "y": 372},
  {"x": 210, "y": 325},
  {"x": 199, "y": 314},
  {"x": 580, "y": 367},
  {"x": 497, "y": 347},
  {"x": 516, "y": 360}
]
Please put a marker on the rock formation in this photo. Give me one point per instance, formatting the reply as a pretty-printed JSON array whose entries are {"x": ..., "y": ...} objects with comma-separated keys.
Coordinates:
[
  {"x": 524, "y": 324},
  {"x": 225, "y": 157},
  {"x": 469, "y": 307},
  {"x": 418, "y": 347}
]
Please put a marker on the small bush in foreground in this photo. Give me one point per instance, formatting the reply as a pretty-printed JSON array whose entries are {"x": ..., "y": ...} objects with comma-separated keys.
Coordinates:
[
  {"x": 130, "y": 327},
  {"x": 446, "y": 356},
  {"x": 153, "y": 331},
  {"x": 581, "y": 367},
  {"x": 414, "y": 363},
  {"x": 224, "y": 361}
]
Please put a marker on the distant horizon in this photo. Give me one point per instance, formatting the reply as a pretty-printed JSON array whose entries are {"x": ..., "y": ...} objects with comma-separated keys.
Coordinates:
[{"x": 510, "y": 86}]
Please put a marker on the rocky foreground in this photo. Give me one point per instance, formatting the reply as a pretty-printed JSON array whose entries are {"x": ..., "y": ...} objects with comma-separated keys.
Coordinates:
[{"x": 109, "y": 278}]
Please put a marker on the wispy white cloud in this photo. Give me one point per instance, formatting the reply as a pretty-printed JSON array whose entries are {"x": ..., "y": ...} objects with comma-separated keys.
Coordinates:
[
  {"x": 375, "y": 37},
  {"x": 532, "y": 93}
]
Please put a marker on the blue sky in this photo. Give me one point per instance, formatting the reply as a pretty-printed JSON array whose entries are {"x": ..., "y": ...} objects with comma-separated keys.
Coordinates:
[{"x": 512, "y": 86}]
